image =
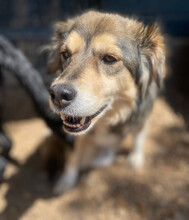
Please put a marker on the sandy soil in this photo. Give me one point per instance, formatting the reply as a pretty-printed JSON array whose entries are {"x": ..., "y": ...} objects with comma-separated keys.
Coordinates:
[{"x": 158, "y": 191}]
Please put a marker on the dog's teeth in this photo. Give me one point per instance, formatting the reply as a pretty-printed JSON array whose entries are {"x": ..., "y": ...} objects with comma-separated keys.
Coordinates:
[
  {"x": 82, "y": 122},
  {"x": 66, "y": 123}
]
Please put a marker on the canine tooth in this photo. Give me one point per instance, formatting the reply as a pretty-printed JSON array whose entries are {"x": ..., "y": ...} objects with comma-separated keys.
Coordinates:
[
  {"x": 63, "y": 117},
  {"x": 82, "y": 121}
]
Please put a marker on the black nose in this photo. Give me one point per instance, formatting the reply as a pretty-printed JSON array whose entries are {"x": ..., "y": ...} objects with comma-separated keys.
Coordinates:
[{"x": 62, "y": 95}]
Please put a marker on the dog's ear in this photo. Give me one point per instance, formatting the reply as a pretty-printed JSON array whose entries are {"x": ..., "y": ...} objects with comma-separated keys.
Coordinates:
[
  {"x": 61, "y": 30},
  {"x": 152, "y": 57}
]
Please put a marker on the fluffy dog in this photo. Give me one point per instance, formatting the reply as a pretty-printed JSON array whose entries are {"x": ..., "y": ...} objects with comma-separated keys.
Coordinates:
[{"x": 111, "y": 69}]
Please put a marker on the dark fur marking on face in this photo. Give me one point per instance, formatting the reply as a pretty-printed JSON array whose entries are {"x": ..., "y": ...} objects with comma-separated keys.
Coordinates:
[
  {"x": 65, "y": 63},
  {"x": 74, "y": 75},
  {"x": 97, "y": 67},
  {"x": 130, "y": 55},
  {"x": 88, "y": 32},
  {"x": 139, "y": 71},
  {"x": 110, "y": 70}
]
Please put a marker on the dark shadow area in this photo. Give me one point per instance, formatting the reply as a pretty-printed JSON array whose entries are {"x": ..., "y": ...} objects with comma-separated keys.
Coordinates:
[
  {"x": 177, "y": 82},
  {"x": 26, "y": 186},
  {"x": 141, "y": 197},
  {"x": 20, "y": 107},
  {"x": 174, "y": 143},
  {"x": 129, "y": 194}
]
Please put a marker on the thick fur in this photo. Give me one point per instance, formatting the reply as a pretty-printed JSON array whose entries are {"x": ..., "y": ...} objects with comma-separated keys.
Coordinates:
[{"x": 127, "y": 87}]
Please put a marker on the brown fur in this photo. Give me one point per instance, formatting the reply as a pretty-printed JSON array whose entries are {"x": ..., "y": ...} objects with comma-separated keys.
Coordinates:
[{"x": 130, "y": 84}]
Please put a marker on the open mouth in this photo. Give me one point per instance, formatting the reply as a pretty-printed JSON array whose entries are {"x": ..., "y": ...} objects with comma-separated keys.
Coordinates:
[{"x": 77, "y": 124}]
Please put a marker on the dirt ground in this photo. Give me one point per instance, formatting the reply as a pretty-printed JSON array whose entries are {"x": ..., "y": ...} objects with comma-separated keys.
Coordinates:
[{"x": 158, "y": 191}]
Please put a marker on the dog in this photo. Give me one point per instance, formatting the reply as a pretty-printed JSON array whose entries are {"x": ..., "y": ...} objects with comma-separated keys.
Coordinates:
[{"x": 111, "y": 69}]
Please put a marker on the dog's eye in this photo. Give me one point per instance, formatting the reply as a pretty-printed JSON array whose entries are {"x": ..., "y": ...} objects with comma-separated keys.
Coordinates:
[
  {"x": 65, "y": 54},
  {"x": 109, "y": 59}
]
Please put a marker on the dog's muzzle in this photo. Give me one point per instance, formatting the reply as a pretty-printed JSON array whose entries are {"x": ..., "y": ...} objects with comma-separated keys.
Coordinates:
[{"x": 61, "y": 97}]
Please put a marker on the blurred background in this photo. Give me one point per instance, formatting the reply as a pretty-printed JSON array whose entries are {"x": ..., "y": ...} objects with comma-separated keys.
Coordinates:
[{"x": 161, "y": 190}]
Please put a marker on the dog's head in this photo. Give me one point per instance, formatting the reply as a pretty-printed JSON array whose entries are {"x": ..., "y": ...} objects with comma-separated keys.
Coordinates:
[{"x": 106, "y": 62}]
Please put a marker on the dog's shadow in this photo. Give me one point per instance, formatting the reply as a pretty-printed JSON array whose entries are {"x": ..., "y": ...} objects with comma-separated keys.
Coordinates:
[{"x": 25, "y": 187}]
